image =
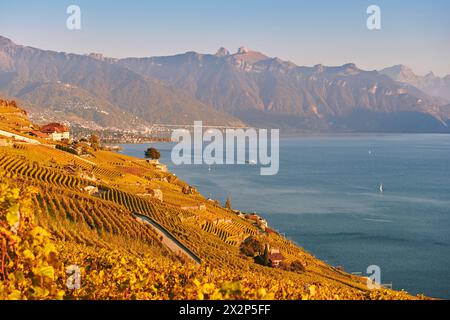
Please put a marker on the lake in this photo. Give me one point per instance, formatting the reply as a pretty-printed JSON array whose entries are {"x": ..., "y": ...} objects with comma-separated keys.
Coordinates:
[{"x": 326, "y": 198}]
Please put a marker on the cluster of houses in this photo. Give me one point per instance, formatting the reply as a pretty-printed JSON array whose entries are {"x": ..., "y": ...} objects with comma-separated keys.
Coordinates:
[
  {"x": 275, "y": 256},
  {"x": 52, "y": 131},
  {"x": 254, "y": 218},
  {"x": 189, "y": 190}
]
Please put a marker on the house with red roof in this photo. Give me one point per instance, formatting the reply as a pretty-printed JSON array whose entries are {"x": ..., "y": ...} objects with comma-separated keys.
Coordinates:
[
  {"x": 56, "y": 131},
  {"x": 275, "y": 258},
  {"x": 38, "y": 134}
]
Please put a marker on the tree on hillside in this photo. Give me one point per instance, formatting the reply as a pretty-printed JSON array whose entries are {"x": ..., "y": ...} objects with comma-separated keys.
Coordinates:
[
  {"x": 95, "y": 142},
  {"x": 297, "y": 266},
  {"x": 228, "y": 203},
  {"x": 251, "y": 247},
  {"x": 152, "y": 153},
  {"x": 266, "y": 256}
]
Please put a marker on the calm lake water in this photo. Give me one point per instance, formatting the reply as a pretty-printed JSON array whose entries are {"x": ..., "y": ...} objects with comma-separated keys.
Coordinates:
[{"x": 326, "y": 198}]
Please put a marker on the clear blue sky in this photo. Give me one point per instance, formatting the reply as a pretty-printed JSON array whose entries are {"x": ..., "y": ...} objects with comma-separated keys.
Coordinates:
[{"x": 415, "y": 33}]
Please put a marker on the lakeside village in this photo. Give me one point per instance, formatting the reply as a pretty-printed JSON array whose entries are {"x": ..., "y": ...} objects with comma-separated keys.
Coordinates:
[
  {"x": 114, "y": 136},
  {"x": 59, "y": 136},
  {"x": 74, "y": 137}
]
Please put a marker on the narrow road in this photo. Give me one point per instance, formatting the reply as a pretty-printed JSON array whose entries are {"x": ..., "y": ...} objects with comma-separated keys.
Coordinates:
[
  {"x": 18, "y": 137},
  {"x": 169, "y": 240}
]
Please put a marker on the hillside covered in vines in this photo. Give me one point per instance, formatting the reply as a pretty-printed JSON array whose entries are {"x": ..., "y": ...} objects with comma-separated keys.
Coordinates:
[{"x": 77, "y": 227}]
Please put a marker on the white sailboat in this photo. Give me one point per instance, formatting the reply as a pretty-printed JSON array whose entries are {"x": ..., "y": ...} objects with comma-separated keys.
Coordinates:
[{"x": 381, "y": 188}]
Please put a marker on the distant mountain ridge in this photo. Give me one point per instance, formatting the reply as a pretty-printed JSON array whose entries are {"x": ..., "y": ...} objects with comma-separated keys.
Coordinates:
[
  {"x": 94, "y": 88},
  {"x": 269, "y": 91},
  {"x": 430, "y": 83},
  {"x": 246, "y": 87}
]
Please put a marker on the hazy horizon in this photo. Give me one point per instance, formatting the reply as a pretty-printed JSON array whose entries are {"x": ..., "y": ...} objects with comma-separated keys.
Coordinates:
[{"x": 329, "y": 33}]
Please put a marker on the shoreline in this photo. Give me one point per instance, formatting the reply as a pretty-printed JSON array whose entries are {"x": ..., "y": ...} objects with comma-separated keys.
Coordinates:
[
  {"x": 284, "y": 231},
  {"x": 314, "y": 135}
]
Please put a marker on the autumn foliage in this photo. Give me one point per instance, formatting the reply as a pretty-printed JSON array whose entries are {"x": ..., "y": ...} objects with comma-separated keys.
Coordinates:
[
  {"x": 69, "y": 230},
  {"x": 29, "y": 260}
]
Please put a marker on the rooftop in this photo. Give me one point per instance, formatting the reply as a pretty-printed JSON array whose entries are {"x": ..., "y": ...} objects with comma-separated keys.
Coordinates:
[{"x": 54, "y": 127}]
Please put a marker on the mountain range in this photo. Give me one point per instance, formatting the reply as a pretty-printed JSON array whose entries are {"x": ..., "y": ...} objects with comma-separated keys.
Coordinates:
[
  {"x": 242, "y": 88},
  {"x": 430, "y": 83}
]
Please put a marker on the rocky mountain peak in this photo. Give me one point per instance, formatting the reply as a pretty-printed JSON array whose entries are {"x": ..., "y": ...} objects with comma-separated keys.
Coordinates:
[
  {"x": 243, "y": 50},
  {"x": 246, "y": 55},
  {"x": 97, "y": 56},
  {"x": 430, "y": 75},
  {"x": 5, "y": 42},
  {"x": 222, "y": 52},
  {"x": 400, "y": 73},
  {"x": 402, "y": 69},
  {"x": 350, "y": 66},
  {"x": 319, "y": 68}
]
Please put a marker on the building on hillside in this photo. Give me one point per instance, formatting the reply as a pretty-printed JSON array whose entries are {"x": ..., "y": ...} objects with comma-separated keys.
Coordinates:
[
  {"x": 189, "y": 190},
  {"x": 158, "y": 166},
  {"x": 91, "y": 190},
  {"x": 239, "y": 213},
  {"x": 256, "y": 219},
  {"x": 253, "y": 217},
  {"x": 152, "y": 193},
  {"x": 213, "y": 201},
  {"x": 275, "y": 258},
  {"x": 157, "y": 194},
  {"x": 200, "y": 207},
  {"x": 262, "y": 223},
  {"x": 56, "y": 131},
  {"x": 38, "y": 134},
  {"x": 161, "y": 167},
  {"x": 153, "y": 161},
  {"x": 113, "y": 148}
]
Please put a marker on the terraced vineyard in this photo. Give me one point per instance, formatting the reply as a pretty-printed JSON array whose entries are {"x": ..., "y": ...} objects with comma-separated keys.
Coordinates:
[
  {"x": 88, "y": 205},
  {"x": 145, "y": 207},
  {"x": 97, "y": 215},
  {"x": 21, "y": 167},
  {"x": 12, "y": 118}
]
